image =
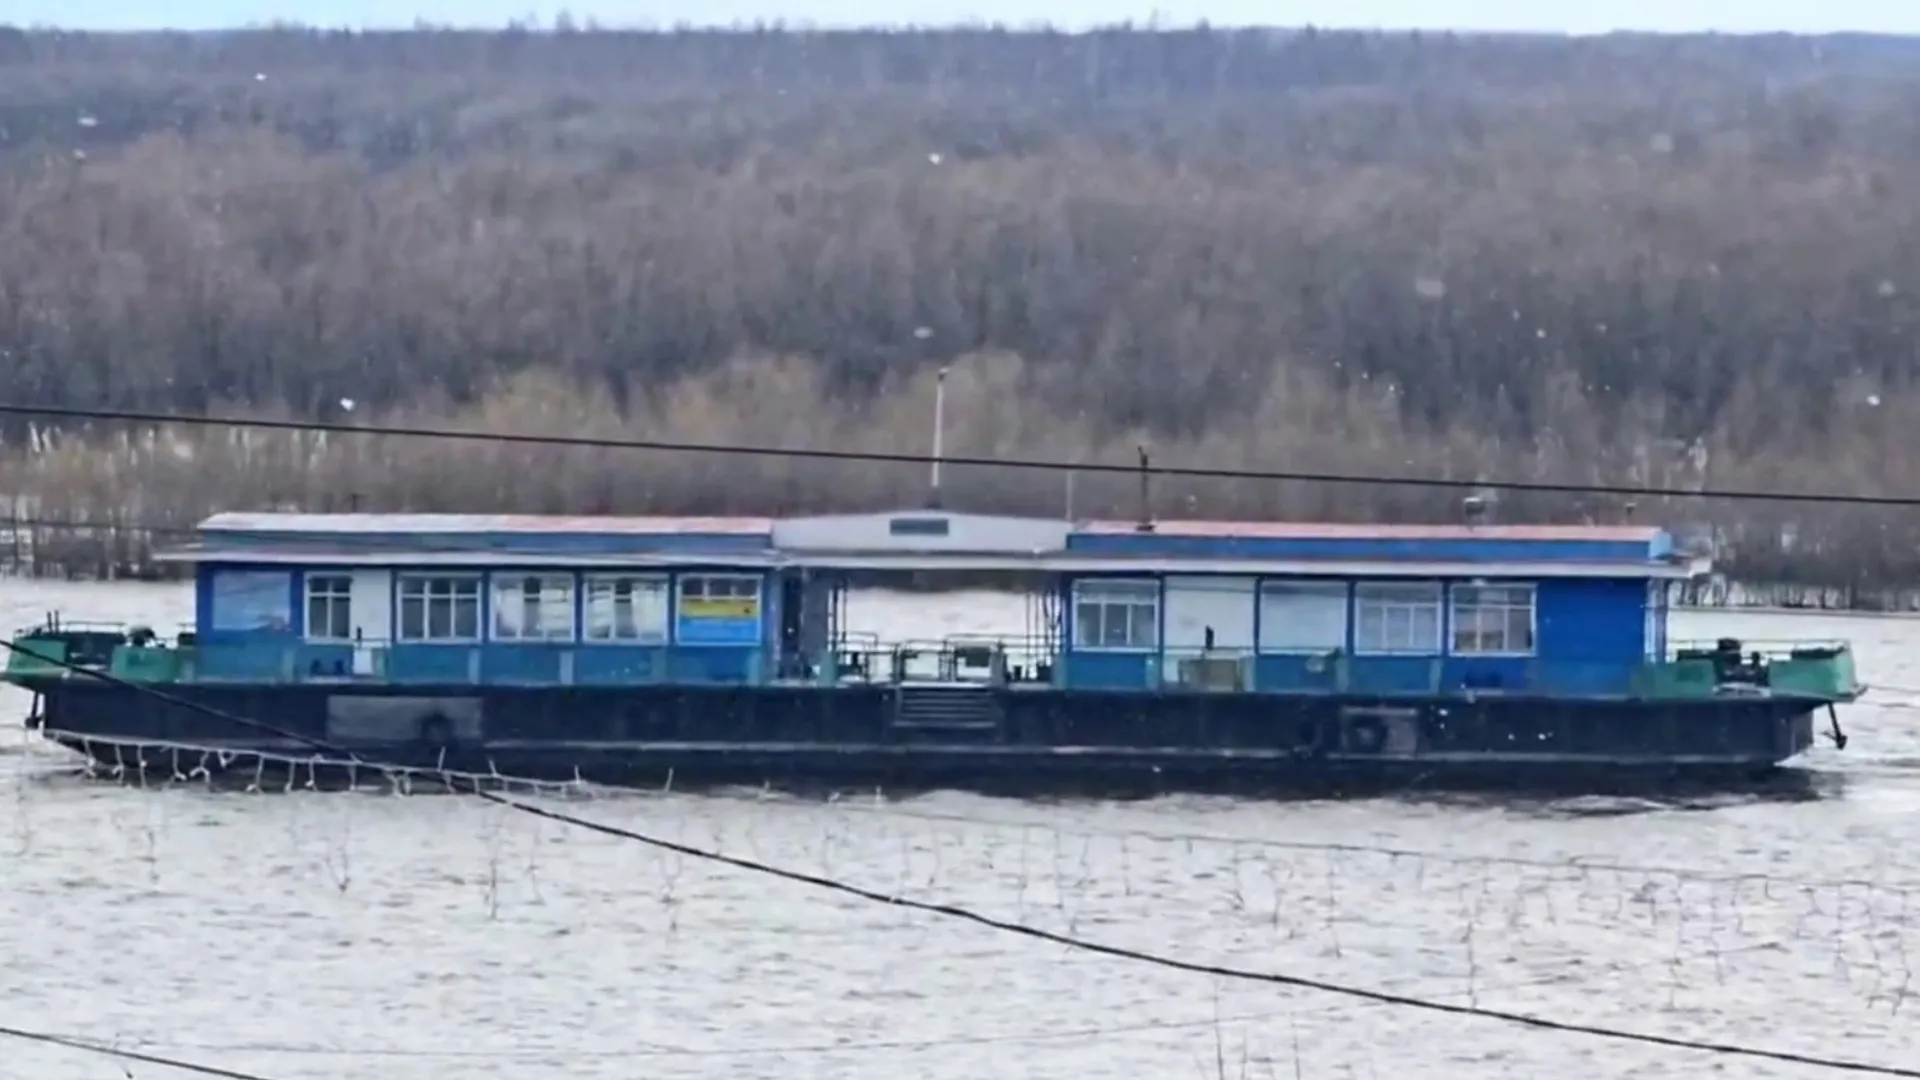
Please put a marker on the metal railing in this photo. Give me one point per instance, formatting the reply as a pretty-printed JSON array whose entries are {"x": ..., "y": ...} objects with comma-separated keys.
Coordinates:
[
  {"x": 1765, "y": 648},
  {"x": 1813, "y": 668}
]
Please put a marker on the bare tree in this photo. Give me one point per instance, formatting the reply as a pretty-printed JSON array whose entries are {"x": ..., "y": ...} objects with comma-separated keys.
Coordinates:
[{"x": 1672, "y": 261}]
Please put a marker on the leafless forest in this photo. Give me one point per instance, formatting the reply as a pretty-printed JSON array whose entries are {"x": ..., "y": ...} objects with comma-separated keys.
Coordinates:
[{"x": 1685, "y": 262}]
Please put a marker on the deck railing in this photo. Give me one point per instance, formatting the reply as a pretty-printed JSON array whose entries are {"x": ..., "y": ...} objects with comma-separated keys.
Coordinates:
[{"x": 1813, "y": 669}]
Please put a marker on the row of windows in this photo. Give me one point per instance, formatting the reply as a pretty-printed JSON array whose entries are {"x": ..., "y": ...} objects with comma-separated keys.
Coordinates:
[
  {"x": 529, "y": 607},
  {"x": 1389, "y": 617}
]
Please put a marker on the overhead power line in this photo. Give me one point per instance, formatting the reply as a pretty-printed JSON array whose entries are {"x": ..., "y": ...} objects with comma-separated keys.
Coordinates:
[
  {"x": 339, "y": 756},
  {"x": 93, "y": 1047},
  {"x": 583, "y": 442}
]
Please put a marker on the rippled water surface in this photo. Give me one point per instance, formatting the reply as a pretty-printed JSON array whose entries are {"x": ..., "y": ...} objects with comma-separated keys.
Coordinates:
[{"x": 334, "y": 936}]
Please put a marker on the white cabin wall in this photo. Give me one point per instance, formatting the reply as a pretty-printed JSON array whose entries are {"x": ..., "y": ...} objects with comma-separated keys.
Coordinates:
[
  {"x": 1192, "y": 603},
  {"x": 959, "y": 533},
  {"x": 1305, "y": 616}
]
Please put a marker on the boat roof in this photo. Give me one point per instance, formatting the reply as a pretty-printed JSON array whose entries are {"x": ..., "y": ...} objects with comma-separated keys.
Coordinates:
[
  {"x": 1341, "y": 530},
  {"x": 471, "y": 524},
  {"x": 919, "y": 539},
  {"x": 596, "y": 525}
]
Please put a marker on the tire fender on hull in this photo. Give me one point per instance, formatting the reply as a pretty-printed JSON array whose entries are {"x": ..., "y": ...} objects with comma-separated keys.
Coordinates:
[
  {"x": 436, "y": 731},
  {"x": 1310, "y": 738},
  {"x": 1366, "y": 735}
]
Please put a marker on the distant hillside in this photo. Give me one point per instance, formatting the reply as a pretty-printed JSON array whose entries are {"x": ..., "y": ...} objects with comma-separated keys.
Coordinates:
[{"x": 1682, "y": 261}]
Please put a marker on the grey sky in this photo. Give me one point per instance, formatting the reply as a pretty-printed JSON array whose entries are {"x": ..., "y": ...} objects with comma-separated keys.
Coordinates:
[{"x": 1739, "y": 16}]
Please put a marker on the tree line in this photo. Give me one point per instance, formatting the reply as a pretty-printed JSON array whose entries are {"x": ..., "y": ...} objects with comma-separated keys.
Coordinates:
[{"x": 1671, "y": 261}]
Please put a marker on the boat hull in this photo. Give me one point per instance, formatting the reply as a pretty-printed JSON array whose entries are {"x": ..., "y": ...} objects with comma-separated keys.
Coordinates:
[{"x": 1009, "y": 740}]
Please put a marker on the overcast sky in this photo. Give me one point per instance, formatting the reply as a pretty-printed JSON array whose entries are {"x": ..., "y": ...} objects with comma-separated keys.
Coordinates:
[{"x": 1739, "y": 16}]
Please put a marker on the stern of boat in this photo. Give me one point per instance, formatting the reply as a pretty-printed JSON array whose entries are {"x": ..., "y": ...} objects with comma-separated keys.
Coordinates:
[{"x": 1818, "y": 673}]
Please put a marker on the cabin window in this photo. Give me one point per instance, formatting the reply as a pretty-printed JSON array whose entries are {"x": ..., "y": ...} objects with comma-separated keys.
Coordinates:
[
  {"x": 626, "y": 608},
  {"x": 329, "y": 607},
  {"x": 1493, "y": 620},
  {"x": 719, "y": 587},
  {"x": 252, "y": 601},
  {"x": 1397, "y": 617},
  {"x": 1116, "y": 615},
  {"x": 533, "y": 607},
  {"x": 1303, "y": 616},
  {"x": 439, "y": 608}
]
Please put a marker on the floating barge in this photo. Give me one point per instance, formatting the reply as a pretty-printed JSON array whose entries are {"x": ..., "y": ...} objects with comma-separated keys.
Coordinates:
[{"x": 1172, "y": 656}]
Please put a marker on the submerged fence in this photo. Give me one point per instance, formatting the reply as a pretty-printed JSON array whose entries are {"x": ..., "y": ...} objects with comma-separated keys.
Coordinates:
[
  {"x": 111, "y": 547},
  {"x": 1546, "y": 911},
  {"x": 33, "y": 546}
]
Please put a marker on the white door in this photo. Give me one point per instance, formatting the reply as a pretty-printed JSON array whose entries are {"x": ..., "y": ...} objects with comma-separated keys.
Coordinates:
[{"x": 373, "y": 629}]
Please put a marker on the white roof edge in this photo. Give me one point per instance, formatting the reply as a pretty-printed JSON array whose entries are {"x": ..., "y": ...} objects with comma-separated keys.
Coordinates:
[
  {"x": 336, "y": 523},
  {"x": 1045, "y": 563},
  {"x": 479, "y": 560},
  {"x": 1343, "y": 568}
]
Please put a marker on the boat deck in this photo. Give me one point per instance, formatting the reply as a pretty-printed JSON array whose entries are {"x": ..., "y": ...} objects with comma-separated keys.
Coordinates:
[{"x": 1820, "y": 671}]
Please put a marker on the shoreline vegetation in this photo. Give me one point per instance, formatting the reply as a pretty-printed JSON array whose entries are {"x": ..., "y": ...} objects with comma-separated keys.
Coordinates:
[{"x": 1672, "y": 262}]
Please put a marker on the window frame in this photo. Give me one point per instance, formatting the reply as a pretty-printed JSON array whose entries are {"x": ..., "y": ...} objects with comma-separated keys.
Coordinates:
[
  {"x": 310, "y": 592},
  {"x": 659, "y": 635},
  {"x": 1106, "y": 594},
  {"x": 1656, "y": 630},
  {"x": 1506, "y": 608},
  {"x": 1433, "y": 598},
  {"x": 755, "y": 583},
  {"x": 249, "y": 600},
  {"x": 461, "y": 583},
  {"x": 512, "y": 585}
]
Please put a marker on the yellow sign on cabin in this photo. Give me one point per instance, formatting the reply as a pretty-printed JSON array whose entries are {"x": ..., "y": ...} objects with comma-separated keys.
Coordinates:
[{"x": 726, "y": 607}]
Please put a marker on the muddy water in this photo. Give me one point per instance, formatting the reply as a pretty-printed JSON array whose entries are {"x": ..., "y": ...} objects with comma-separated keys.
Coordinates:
[{"x": 299, "y": 935}]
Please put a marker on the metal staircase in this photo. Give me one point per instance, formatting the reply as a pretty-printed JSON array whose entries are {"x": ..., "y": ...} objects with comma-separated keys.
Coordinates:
[{"x": 947, "y": 707}]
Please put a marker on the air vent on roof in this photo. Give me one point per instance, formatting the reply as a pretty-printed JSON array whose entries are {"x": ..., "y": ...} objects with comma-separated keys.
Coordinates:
[{"x": 918, "y": 526}]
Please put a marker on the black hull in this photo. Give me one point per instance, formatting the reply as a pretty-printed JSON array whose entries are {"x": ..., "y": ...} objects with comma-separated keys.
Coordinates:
[{"x": 1023, "y": 742}]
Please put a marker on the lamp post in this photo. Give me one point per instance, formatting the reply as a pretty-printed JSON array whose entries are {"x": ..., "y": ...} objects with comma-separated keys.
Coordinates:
[{"x": 939, "y": 438}]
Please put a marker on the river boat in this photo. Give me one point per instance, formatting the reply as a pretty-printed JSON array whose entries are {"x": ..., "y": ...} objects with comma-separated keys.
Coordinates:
[{"x": 1156, "y": 656}]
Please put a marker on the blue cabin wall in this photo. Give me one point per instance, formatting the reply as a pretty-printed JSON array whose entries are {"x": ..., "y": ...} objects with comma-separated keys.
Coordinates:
[
  {"x": 257, "y": 634},
  {"x": 726, "y": 650},
  {"x": 1590, "y": 635}
]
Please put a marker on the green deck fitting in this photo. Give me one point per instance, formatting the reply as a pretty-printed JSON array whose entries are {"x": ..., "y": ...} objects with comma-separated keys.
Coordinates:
[
  {"x": 145, "y": 664},
  {"x": 24, "y": 659},
  {"x": 1817, "y": 673},
  {"x": 1681, "y": 679}
]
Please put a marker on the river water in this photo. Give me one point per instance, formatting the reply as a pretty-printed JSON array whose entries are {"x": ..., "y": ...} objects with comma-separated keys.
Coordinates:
[{"x": 306, "y": 935}]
